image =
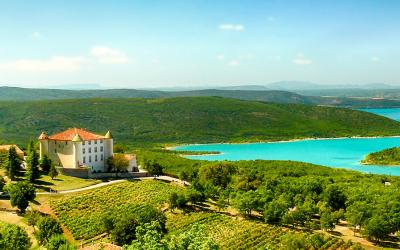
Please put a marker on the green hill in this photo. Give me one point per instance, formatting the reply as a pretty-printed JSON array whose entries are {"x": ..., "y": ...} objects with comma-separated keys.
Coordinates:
[
  {"x": 388, "y": 157},
  {"x": 276, "y": 96},
  {"x": 187, "y": 120}
]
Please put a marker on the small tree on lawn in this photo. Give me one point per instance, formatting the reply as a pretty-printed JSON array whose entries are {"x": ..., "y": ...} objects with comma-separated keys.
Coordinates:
[
  {"x": 53, "y": 173},
  {"x": 32, "y": 163},
  {"x": 12, "y": 163},
  {"x": 21, "y": 194},
  {"x": 118, "y": 163},
  {"x": 45, "y": 164}
]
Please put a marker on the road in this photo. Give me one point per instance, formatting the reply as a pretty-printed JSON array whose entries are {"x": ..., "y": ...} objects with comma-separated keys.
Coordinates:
[{"x": 162, "y": 177}]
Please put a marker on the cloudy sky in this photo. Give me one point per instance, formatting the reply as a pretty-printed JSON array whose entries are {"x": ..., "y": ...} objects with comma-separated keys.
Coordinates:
[{"x": 162, "y": 43}]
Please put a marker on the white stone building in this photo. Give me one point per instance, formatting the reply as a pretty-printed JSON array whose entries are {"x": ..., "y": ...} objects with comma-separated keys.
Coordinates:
[{"x": 76, "y": 148}]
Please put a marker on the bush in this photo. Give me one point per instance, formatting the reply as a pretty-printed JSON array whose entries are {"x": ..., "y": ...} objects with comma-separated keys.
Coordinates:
[
  {"x": 14, "y": 237},
  {"x": 57, "y": 242},
  {"x": 47, "y": 227},
  {"x": 124, "y": 231},
  {"x": 20, "y": 194}
]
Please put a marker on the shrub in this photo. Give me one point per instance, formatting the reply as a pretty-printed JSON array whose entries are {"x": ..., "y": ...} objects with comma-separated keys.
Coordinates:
[
  {"x": 47, "y": 227},
  {"x": 14, "y": 237},
  {"x": 57, "y": 242}
]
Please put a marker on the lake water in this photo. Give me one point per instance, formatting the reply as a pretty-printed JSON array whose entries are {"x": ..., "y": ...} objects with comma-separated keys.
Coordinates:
[{"x": 337, "y": 153}]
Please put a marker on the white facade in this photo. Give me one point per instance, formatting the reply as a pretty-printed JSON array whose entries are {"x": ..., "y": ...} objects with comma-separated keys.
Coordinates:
[{"x": 76, "y": 148}]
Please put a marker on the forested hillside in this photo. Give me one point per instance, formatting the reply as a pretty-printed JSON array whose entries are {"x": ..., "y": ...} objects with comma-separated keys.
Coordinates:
[
  {"x": 187, "y": 120},
  {"x": 387, "y": 157},
  {"x": 276, "y": 96}
]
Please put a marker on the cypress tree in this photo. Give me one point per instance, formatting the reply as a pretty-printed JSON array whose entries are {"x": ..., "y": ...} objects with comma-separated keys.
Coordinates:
[
  {"x": 32, "y": 163},
  {"x": 12, "y": 164}
]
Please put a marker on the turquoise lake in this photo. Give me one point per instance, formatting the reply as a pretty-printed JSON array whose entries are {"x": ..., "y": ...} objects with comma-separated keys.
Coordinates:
[{"x": 337, "y": 153}]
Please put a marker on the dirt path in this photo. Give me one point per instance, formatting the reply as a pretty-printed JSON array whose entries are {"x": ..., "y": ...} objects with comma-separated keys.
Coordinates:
[{"x": 163, "y": 177}]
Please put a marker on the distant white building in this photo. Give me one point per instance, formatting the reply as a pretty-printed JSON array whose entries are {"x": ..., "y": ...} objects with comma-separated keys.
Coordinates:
[{"x": 75, "y": 148}]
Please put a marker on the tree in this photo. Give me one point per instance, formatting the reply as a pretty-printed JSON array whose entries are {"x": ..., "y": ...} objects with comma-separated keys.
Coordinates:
[
  {"x": 53, "y": 173},
  {"x": 32, "y": 218},
  {"x": 118, "y": 163},
  {"x": 274, "y": 212},
  {"x": 149, "y": 236},
  {"x": 154, "y": 168},
  {"x": 377, "y": 228},
  {"x": 124, "y": 231},
  {"x": 57, "y": 242},
  {"x": 334, "y": 197},
  {"x": 45, "y": 164},
  {"x": 358, "y": 213},
  {"x": 327, "y": 221},
  {"x": 14, "y": 237},
  {"x": 247, "y": 202},
  {"x": 2, "y": 183},
  {"x": 12, "y": 163},
  {"x": 173, "y": 200},
  {"x": 32, "y": 163},
  {"x": 195, "y": 238},
  {"x": 21, "y": 194},
  {"x": 221, "y": 202},
  {"x": 47, "y": 227},
  {"x": 218, "y": 174}
]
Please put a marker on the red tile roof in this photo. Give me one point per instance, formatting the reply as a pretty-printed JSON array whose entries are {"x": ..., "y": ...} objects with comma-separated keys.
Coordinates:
[{"x": 69, "y": 134}]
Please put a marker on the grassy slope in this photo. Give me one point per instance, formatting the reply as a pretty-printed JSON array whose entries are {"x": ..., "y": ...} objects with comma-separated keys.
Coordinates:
[
  {"x": 187, "y": 120},
  {"x": 389, "y": 157}
]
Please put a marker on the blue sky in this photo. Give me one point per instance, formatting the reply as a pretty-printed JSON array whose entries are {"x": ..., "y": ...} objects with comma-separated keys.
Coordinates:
[{"x": 141, "y": 44}]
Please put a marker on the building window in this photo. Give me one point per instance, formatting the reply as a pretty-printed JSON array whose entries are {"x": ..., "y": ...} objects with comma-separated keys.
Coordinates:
[
  {"x": 95, "y": 149},
  {"x": 84, "y": 159},
  {"x": 90, "y": 142},
  {"x": 90, "y": 150},
  {"x": 101, "y": 157},
  {"x": 83, "y": 150},
  {"x": 95, "y": 141},
  {"x": 90, "y": 158},
  {"x": 101, "y": 149},
  {"x": 66, "y": 142},
  {"x": 101, "y": 141},
  {"x": 83, "y": 143},
  {"x": 55, "y": 150},
  {"x": 95, "y": 157}
]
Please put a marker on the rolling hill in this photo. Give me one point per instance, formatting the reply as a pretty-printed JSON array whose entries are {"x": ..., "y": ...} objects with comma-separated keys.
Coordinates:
[
  {"x": 187, "y": 120},
  {"x": 276, "y": 96}
]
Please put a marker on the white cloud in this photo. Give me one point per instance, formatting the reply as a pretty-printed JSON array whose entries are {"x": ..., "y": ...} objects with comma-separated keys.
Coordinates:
[
  {"x": 36, "y": 35},
  {"x": 107, "y": 55},
  {"x": 57, "y": 63},
  {"x": 300, "y": 59},
  {"x": 375, "y": 59},
  {"x": 221, "y": 57},
  {"x": 231, "y": 27},
  {"x": 234, "y": 63}
]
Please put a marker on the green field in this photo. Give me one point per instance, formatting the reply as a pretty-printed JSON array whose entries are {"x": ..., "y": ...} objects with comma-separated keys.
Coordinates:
[{"x": 142, "y": 122}]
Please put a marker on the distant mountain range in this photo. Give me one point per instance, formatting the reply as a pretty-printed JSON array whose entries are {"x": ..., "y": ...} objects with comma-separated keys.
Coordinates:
[{"x": 274, "y": 96}]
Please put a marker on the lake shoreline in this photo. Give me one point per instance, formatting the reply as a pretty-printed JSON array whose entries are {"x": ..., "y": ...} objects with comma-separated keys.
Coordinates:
[{"x": 279, "y": 141}]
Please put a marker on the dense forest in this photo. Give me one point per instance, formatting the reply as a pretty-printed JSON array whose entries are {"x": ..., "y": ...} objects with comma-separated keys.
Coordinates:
[
  {"x": 187, "y": 120},
  {"x": 387, "y": 157}
]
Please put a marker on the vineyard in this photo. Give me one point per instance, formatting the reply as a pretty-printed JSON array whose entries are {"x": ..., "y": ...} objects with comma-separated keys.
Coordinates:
[
  {"x": 82, "y": 213},
  {"x": 236, "y": 233}
]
